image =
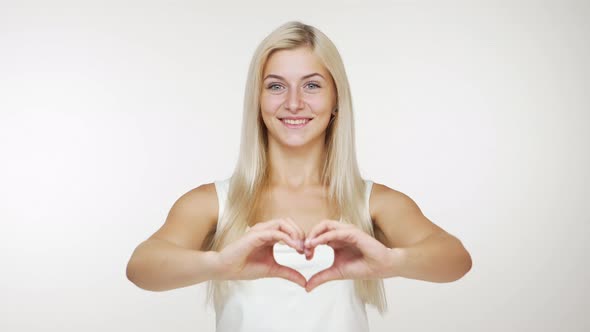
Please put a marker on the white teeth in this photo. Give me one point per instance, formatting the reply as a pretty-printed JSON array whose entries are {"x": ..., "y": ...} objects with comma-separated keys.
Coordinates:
[{"x": 295, "y": 122}]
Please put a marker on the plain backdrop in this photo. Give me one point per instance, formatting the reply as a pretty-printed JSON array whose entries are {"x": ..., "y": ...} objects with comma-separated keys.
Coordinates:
[{"x": 111, "y": 110}]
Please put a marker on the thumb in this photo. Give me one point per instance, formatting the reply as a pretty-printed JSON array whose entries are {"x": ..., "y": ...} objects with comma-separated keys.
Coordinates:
[
  {"x": 288, "y": 273},
  {"x": 321, "y": 277}
]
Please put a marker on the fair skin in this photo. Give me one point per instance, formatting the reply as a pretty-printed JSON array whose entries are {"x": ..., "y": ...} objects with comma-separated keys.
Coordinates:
[{"x": 295, "y": 210}]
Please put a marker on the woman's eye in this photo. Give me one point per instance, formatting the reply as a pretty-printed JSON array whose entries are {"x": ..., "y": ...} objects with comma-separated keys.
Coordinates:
[
  {"x": 271, "y": 86},
  {"x": 276, "y": 87}
]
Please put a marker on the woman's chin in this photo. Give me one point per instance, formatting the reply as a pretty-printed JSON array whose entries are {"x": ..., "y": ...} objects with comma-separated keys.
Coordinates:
[
  {"x": 295, "y": 140},
  {"x": 294, "y": 144}
]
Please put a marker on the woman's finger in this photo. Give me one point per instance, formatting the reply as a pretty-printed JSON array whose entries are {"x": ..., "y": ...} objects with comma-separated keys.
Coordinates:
[
  {"x": 369, "y": 247},
  {"x": 300, "y": 234},
  {"x": 288, "y": 273},
  {"x": 300, "y": 231},
  {"x": 323, "y": 226},
  {"x": 283, "y": 225},
  {"x": 331, "y": 273},
  {"x": 263, "y": 237},
  {"x": 289, "y": 227},
  {"x": 346, "y": 235}
]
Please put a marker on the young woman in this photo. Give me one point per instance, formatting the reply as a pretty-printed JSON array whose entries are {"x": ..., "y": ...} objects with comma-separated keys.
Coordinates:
[{"x": 295, "y": 239}]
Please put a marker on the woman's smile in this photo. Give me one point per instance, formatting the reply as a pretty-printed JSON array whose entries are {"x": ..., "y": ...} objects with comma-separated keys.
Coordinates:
[{"x": 295, "y": 124}]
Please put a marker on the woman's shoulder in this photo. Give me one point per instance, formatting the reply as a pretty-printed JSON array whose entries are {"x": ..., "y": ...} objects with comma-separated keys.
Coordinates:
[
  {"x": 208, "y": 199},
  {"x": 191, "y": 218},
  {"x": 202, "y": 190},
  {"x": 382, "y": 196},
  {"x": 202, "y": 198},
  {"x": 381, "y": 192}
]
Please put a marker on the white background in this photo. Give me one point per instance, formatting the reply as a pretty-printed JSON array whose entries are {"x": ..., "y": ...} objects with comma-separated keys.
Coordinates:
[{"x": 110, "y": 110}]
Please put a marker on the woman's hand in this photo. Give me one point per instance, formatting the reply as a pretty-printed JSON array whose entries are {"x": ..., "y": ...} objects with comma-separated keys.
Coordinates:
[
  {"x": 251, "y": 256},
  {"x": 357, "y": 255}
]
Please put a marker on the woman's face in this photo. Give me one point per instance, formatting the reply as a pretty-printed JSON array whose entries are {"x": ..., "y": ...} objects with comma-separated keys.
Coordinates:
[{"x": 296, "y": 85}]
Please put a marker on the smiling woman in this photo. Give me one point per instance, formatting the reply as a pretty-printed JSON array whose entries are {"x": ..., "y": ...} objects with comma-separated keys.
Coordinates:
[
  {"x": 296, "y": 192},
  {"x": 298, "y": 89}
]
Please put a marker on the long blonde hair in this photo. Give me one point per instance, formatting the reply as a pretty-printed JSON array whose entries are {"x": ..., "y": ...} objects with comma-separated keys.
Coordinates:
[{"x": 340, "y": 173}]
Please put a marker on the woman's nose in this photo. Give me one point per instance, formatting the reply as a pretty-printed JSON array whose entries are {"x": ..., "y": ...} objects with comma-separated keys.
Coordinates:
[{"x": 294, "y": 100}]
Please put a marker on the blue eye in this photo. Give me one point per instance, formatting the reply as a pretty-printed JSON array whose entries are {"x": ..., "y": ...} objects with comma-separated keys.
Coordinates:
[{"x": 272, "y": 85}]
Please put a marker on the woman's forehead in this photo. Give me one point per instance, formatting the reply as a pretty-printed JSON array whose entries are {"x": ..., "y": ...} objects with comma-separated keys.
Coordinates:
[{"x": 294, "y": 64}]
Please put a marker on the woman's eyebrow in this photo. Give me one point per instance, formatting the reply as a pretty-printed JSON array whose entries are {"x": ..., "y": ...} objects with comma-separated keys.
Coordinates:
[{"x": 304, "y": 77}]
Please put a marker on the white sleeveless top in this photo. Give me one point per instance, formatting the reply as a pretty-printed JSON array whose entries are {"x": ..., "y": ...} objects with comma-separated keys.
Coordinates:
[{"x": 279, "y": 305}]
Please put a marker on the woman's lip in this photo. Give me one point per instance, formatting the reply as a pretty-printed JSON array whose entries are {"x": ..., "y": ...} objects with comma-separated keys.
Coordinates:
[{"x": 295, "y": 126}]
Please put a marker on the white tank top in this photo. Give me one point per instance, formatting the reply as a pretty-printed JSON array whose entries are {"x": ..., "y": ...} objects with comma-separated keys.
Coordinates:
[{"x": 279, "y": 305}]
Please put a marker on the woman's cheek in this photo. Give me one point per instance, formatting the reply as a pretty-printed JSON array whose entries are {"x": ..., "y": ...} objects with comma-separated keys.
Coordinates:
[{"x": 270, "y": 106}]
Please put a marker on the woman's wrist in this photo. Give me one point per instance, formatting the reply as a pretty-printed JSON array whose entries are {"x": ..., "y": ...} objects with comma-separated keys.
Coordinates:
[
  {"x": 396, "y": 259},
  {"x": 214, "y": 265}
]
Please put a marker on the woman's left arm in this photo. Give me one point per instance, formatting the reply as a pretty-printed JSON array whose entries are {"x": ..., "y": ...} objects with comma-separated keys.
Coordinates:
[{"x": 419, "y": 248}]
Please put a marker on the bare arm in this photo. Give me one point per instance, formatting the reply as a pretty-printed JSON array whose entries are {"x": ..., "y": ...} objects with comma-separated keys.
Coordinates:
[
  {"x": 159, "y": 265},
  {"x": 439, "y": 258},
  {"x": 173, "y": 257},
  {"x": 420, "y": 249}
]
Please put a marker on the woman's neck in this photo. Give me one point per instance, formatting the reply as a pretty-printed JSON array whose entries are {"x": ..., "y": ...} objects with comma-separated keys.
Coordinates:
[{"x": 295, "y": 167}]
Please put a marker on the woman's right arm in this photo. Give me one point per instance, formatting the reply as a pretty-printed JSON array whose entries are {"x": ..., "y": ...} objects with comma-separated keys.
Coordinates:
[{"x": 173, "y": 257}]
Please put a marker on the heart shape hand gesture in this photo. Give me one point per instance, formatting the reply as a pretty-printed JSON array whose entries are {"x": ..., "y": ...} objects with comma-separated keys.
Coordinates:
[
  {"x": 251, "y": 256},
  {"x": 357, "y": 255}
]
